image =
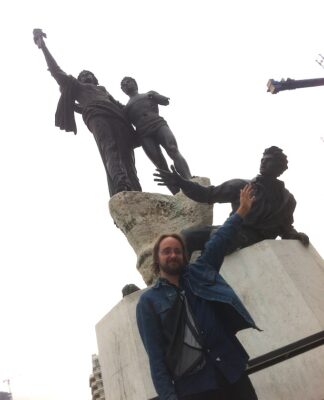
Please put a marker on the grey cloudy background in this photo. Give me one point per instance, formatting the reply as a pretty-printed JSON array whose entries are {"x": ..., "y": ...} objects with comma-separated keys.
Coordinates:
[{"x": 63, "y": 262}]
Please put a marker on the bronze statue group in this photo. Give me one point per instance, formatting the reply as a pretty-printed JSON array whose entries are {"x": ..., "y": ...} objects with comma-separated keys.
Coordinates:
[{"x": 190, "y": 341}]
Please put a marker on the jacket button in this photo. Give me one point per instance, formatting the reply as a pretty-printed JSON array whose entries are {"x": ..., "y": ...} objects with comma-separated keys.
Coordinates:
[{"x": 218, "y": 359}]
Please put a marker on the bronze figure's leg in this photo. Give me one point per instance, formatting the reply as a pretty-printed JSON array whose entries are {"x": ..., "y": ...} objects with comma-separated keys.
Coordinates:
[
  {"x": 196, "y": 237},
  {"x": 107, "y": 144},
  {"x": 168, "y": 142},
  {"x": 154, "y": 153}
]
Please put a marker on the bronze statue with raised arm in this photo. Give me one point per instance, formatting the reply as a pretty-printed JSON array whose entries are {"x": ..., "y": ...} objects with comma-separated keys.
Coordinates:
[
  {"x": 152, "y": 130},
  {"x": 103, "y": 116},
  {"x": 272, "y": 211}
]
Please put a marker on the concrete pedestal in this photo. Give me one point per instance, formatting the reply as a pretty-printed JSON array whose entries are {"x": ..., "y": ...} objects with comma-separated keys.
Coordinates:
[{"x": 282, "y": 285}]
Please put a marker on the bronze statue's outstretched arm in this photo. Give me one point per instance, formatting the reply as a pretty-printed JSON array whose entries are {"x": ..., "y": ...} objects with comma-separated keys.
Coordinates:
[
  {"x": 227, "y": 192},
  {"x": 60, "y": 76}
]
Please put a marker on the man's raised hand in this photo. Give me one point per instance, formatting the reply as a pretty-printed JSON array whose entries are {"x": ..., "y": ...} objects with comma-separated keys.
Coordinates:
[{"x": 246, "y": 200}]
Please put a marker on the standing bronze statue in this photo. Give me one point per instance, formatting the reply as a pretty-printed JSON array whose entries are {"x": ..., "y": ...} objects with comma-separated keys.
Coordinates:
[
  {"x": 272, "y": 211},
  {"x": 103, "y": 116},
  {"x": 152, "y": 130}
]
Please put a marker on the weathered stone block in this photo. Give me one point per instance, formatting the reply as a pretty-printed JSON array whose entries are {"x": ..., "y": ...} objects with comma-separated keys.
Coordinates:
[{"x": 143, "y": 217}]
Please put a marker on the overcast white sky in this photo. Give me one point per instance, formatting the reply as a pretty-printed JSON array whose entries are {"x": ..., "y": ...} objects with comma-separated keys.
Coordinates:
[{"x": 63, "y": 262}]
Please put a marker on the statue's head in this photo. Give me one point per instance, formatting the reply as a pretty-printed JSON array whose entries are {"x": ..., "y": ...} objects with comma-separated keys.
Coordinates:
[
  {"x": 274, "y": 162},
  {"x": 87, "y": 77},
  {"x": 128, "y": 85}
]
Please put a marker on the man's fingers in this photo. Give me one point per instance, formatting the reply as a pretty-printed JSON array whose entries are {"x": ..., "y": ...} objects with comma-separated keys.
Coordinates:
[
  {"x": 247, "y": 191},
  {"x": 246, "y": 196}
]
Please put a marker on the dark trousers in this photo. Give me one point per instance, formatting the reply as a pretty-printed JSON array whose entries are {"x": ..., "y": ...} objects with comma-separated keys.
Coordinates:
[{"x": 240, "y": 390}]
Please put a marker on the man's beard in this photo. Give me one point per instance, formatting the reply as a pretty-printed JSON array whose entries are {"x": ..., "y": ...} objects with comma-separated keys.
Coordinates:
[{"x": 172, "y": 269}]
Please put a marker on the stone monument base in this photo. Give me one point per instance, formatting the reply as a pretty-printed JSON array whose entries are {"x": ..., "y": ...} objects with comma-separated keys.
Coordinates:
[
  {"x": 143, "y": 217},
  {"x": 280, "y": 282}
]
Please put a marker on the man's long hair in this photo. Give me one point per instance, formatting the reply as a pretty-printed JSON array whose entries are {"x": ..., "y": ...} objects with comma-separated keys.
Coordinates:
[{"x": 156, "y": 248}]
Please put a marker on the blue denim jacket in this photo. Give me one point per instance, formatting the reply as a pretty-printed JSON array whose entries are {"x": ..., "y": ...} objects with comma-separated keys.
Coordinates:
[{"x": 204, "y": 279}]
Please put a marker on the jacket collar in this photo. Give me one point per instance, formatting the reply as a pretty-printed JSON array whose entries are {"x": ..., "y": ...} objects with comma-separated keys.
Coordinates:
[
  {"x": 164, "y": 282},
  {"x": 161, "y": 282}
]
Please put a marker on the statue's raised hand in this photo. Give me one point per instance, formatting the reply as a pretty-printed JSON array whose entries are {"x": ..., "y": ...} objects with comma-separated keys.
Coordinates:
[
  {"x": 167, "y": 178},
  {"x": 38, "y": 37}
]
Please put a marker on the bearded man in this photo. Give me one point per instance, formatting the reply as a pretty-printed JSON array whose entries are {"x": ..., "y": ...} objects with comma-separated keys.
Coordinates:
[{"x": 189, "y": 318}]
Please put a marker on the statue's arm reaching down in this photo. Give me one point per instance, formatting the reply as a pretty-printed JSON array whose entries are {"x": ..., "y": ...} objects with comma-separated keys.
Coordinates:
[
  {"x": 287, "y": 230},
  {"x": 293, "y": 234},
  {"x": 60, "y": 76}
]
